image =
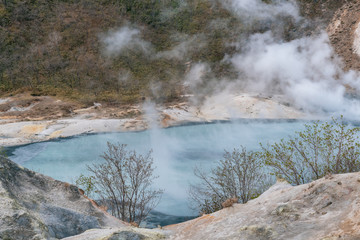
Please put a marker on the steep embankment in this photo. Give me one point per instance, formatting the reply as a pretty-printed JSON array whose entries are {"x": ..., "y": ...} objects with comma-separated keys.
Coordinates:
[{"x": 34, "y": 206}]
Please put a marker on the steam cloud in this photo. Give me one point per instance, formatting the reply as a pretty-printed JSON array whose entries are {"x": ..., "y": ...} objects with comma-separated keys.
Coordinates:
[
  {"x": 305, "y": 71},
  {"x": 125, "y": 38},
  {"x": 195, "y": 76},
  {"x": 259, "y": 10}
]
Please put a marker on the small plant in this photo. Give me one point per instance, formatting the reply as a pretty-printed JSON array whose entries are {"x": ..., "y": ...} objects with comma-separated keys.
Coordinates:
[{"x": 87, "y": 184}]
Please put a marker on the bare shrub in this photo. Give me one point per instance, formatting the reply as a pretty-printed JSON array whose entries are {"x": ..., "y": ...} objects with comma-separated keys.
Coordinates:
[
  {"x": 124, "y": 182},
  {"x": 239, "y": 175}
]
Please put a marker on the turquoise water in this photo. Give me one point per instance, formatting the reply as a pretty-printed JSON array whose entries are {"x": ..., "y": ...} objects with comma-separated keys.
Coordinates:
[{"x": 175, "y": 151}]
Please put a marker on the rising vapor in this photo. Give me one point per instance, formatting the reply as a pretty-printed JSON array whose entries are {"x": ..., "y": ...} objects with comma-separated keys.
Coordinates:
[
  {"x": 305, "y": 71},
  {"x": 115, "y": 42}
]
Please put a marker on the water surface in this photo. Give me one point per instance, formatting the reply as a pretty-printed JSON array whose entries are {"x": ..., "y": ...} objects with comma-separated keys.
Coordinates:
[{"x": 176, "y": 151}]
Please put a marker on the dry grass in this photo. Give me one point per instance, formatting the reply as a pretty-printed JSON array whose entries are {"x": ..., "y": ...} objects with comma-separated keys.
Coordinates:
[{"x": 230, "y": 202}]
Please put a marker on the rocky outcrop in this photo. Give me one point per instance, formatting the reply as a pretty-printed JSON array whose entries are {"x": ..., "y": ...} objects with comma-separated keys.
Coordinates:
[
  {"x": 344, "y": 34},
  {"x": 34, "y": 206},
  {"x": 326, "y": 209}
]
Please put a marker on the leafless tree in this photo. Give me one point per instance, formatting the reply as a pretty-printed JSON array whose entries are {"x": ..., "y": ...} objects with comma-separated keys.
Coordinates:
[
  {"x": 124, "y": 182},
  {"x": 239, "y": 175}
]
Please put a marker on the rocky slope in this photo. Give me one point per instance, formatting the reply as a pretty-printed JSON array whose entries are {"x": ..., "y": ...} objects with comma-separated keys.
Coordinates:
[
  {"x": 34, "y": 206},
  {"x": 326, "y": 209}
]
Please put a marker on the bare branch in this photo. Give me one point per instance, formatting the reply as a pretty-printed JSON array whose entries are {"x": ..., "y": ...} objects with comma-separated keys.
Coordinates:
[{"x": 124, "y": 182}]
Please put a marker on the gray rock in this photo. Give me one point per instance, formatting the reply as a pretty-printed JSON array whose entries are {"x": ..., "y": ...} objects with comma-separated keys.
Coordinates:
[
  {"x": 326, "y": 209},
  {"x": 124, "y": 233},
  {"x": 127, "y": 235},
  {"x": 34, "y": 206}
]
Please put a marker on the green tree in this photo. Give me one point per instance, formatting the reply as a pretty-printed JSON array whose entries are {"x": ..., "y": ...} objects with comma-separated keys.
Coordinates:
[{"x": 320, "y": 149}]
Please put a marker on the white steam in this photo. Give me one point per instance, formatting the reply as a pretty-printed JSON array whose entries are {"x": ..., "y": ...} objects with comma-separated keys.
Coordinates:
[
  {"x": 164, "y": 148},
  {"x": 267, "y": 65},
  {"x": 125, "y": 38},
  {"x": 195, "y": 77},
  {"x": 259, "y": 10},
  {"x": 304, "y": 70},
  {"x": 182, "y": 50}
]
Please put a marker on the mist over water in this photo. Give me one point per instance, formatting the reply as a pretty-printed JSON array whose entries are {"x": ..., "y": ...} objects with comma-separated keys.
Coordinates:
[{"x": 176, "y": 151}]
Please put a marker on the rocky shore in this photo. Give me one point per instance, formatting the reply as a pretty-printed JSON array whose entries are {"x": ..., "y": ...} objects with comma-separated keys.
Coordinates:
[{"x": 25, "y": 119}]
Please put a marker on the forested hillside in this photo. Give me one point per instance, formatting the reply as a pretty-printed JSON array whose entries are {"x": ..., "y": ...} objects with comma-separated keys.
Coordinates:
[{"x": 122, "y": 51}]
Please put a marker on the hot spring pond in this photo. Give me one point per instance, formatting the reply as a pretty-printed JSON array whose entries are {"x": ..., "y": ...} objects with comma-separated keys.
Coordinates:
[{"x": 176, "y": 151}]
